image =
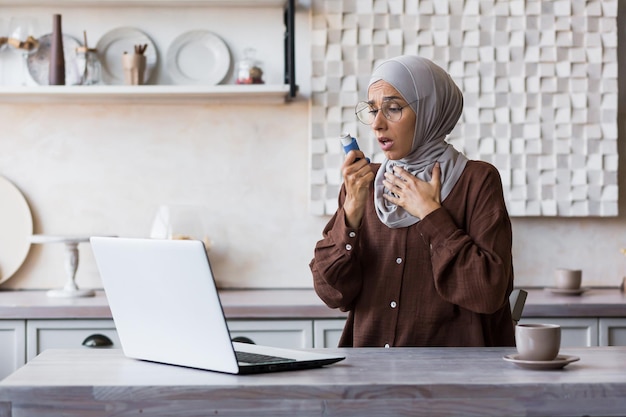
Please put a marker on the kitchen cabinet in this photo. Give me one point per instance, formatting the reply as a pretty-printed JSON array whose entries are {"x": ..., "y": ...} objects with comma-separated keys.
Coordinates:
[
  {"x": 581, "y": 324},
  {"x": 224, "y": 93},
  {"x": 61, "y": 334},
  {"x": 575, "y": 332},
  {"x": 327, "y": 332},
  {"x": 296, "y": 334},
  {"x": 30, "y": 322},
  {"x": 587, "y": 331},
  {"x": 12, "y": 346},
  {"x": 612, "y": 332},
  {"x": 22, "y": 340}
]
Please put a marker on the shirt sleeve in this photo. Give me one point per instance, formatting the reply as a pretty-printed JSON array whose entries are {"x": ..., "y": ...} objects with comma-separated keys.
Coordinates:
[
  {"x": 336, "y": 271},
  {"x": 472, "y": 264}
]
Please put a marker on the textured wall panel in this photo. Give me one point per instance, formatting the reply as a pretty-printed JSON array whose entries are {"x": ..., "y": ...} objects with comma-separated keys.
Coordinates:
[{"x": 539, "y": 80}]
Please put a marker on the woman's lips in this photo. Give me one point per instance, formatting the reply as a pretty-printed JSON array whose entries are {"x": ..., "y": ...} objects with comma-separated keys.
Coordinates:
[{"x": 385, "y": 143}]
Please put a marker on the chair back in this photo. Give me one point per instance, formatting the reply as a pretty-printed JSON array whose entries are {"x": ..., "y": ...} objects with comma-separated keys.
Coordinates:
[{"x": 517, "y": 299}]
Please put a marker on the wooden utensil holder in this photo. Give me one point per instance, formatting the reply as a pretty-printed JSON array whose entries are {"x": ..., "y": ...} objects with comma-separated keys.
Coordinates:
[{"x": 134, "y": 66}]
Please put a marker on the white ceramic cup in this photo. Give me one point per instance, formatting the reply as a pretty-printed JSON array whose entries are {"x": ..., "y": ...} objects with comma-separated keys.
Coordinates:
[
  {"x": 537, "y": 342},
  {"x": 568, "y": 279}
]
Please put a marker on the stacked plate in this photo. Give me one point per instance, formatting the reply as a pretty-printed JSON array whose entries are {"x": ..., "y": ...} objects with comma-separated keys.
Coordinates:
[
  {"x": 39, "y": 61},
  {"x": 112, "y": 46},
  {"x": 198, "y": 57}
]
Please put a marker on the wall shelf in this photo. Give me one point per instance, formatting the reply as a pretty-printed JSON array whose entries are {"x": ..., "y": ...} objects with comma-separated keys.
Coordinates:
[
  {"x": 154, "y": 94},
  {"x": 142, "y": 3},
  {"x": 167, "y": 93}
]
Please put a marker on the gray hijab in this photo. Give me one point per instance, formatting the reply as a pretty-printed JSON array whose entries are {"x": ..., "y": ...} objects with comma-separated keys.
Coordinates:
[{"x": 438, "y": 104}]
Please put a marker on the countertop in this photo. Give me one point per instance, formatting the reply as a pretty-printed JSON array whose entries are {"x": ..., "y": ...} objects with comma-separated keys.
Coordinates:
[
  {"x": 297, "y": 304},
  {"x": 369, "y": 382},
  {"x": 237, "y": 304}
]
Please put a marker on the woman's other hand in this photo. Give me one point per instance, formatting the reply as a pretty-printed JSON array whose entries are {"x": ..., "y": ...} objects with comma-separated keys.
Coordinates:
[
  {"x": 418, "y": 197},
  {"x": 357, "y": 177}
]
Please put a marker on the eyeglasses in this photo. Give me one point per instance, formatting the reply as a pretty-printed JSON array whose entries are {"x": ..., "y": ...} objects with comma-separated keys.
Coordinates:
[{"x": 391, "y": 110}]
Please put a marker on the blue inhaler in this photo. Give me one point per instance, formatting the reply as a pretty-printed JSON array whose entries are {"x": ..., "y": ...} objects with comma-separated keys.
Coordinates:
[{"x": 350, "y": 144}]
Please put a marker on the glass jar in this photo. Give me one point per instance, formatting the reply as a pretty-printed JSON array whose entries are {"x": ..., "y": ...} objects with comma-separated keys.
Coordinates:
[
  {"x": 249, "y": 69},
  {"x": 89, "y": 66}
]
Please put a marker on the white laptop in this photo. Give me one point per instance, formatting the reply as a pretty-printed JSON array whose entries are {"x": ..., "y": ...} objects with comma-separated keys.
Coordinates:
[{"x": 166, "y": 309}]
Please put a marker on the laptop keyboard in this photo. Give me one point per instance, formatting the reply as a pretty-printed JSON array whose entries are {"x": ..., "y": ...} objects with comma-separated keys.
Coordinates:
[{"x": 248, "y": 357}]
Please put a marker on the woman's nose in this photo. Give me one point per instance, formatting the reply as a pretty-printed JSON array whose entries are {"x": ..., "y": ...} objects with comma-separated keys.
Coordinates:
[{"x": 379, "y": 120}]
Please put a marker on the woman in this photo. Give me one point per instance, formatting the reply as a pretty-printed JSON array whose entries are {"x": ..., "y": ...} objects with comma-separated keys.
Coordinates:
[{"x": 419, "y": 250}]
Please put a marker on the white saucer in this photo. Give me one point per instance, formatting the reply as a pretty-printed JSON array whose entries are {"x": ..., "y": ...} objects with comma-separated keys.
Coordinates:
[
  {"x": 559, "y": 362},
  {"x": 565, "y": 291}
]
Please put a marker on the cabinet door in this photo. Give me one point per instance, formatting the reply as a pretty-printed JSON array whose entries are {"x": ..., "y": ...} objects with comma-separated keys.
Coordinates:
[
  {"x": 12, "y": 346},
  {"x": 327, "y": 332},
  {"x": 612, "y": 332},
  {"x": 66, "y": 334},
  {"x": 575, "y": 332},
  {"x": 295, "y": 334}
]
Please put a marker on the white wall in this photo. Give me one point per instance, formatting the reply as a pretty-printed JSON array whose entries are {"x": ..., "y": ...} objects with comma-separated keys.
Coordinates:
[
  {"x": 90, "y": 169},
  {"x": 592, "y": 244},
  {"x": 105, "y": 170}
]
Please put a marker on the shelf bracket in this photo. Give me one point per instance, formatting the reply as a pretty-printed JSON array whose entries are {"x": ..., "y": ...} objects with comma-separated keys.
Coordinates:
[{"x": 290, "y": 47}]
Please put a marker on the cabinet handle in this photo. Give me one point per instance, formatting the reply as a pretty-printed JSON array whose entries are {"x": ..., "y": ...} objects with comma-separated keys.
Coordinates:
[
  {"x": 243, "y": 339},
  {"x": 97, "y": 341}
]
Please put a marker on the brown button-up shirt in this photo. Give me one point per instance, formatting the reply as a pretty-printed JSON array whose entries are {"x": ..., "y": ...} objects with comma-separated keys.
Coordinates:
[{"x": 444, "y": 281}]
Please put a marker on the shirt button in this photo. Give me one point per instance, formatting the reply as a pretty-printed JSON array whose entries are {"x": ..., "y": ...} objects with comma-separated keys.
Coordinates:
[
  {"x": 387, "y": 345},
  {"x": 348, "y": 247},
  {"x": 398, "y": 261},
  {"x": 393, "y": 304},
  {"x": 352, "y": 234}
]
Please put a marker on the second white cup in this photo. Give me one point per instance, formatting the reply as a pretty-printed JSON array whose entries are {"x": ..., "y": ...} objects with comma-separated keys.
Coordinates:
[{"x": 568, "y": 279}]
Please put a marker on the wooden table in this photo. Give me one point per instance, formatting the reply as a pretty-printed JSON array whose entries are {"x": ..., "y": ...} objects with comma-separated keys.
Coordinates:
[{"x": 370, "y": 382}]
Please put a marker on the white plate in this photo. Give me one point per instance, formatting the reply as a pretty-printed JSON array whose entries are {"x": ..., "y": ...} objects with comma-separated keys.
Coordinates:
[
  {"x": 557, "y": 363},
  {"x": 565, "y": 291},
  {"x": 198, "y": 57},
  {"x": 112, "y": 46},
  {"x": 16, "y": 226},
  {"x": 39, "y": 62}
]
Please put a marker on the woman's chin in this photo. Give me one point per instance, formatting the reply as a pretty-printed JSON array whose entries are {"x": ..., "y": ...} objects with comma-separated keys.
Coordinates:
[{"x": 393, "y": 156}]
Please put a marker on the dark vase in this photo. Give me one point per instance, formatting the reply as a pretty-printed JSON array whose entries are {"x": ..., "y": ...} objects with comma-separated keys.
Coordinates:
[{"x": 57, "y": 59}]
